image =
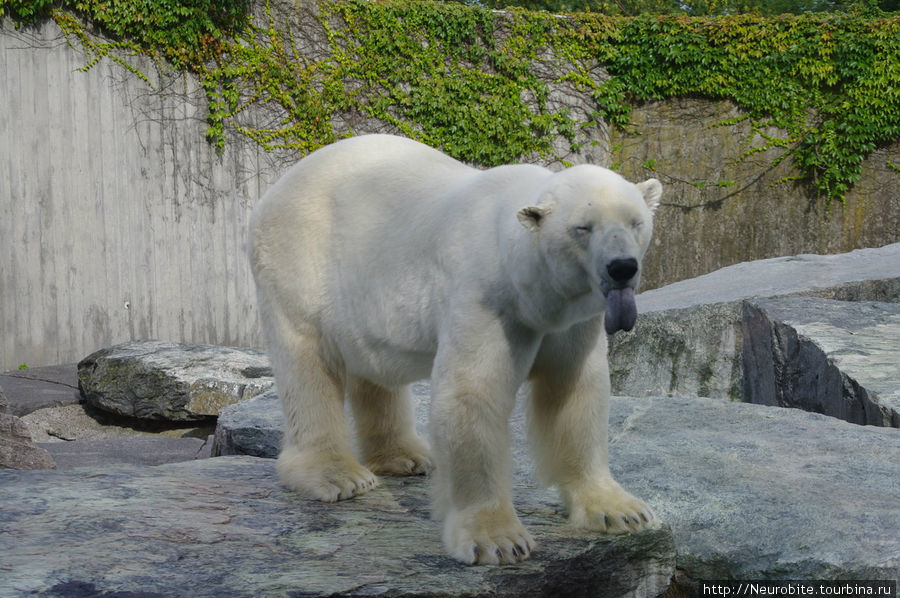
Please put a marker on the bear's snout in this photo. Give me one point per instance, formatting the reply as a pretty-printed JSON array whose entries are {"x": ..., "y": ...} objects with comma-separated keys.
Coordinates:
[{"x": 621, "y": 270}]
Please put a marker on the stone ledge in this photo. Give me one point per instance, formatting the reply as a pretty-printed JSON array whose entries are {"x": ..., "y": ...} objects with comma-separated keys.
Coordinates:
[
  {"x": 223, "y": 528},
  {"x": 861, "y": 275},
  {"x": 751, "y": 492}
]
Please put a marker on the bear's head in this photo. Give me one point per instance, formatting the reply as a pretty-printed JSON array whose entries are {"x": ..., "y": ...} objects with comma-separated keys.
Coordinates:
[{"x": 592, "y": 229}]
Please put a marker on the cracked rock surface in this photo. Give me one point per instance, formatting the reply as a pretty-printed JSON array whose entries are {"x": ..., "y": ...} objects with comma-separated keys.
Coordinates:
[
  {"x": 223, "y": 527},
  {"x": 750, "y": 491}
]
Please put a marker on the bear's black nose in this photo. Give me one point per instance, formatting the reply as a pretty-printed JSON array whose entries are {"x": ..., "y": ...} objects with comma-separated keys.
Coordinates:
[{"x": 622, "y": 269}]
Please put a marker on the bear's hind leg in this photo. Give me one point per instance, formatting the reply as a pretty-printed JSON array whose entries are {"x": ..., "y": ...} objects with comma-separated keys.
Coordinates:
[
  {"x": 386, "y": 429},
  {"x": 316, "y": 459}
]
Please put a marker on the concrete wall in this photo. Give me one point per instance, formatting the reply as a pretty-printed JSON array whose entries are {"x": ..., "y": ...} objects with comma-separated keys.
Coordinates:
[{"x": 118, "y": 221}]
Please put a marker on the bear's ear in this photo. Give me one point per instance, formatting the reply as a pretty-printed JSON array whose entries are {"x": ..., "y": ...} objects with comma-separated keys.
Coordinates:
[
  {"x": 651, "y": 189},
  {"x": 532, "y": 216}
]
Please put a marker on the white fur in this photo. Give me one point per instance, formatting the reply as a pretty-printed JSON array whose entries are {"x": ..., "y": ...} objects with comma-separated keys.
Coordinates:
[{"x": 380, "y": 261}]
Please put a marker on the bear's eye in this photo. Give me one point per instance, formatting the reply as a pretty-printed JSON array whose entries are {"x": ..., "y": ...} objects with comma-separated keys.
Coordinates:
[
  {"x": 636, "y": 224},
  {"x": 584, "y": 229}
]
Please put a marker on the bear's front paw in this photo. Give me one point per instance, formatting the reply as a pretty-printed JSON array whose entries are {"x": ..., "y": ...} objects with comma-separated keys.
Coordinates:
[
  {"x": 407, "y": 458},
  {"x": 604, "y": 506},
  {"x": 325, "y": 476},
  {"x": 486, "y": 536}
]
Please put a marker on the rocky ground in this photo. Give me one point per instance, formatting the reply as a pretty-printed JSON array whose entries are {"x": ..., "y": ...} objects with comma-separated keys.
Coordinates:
[
  {"x": 74, "y": 433},
  {"x": 136, "y": 506}
]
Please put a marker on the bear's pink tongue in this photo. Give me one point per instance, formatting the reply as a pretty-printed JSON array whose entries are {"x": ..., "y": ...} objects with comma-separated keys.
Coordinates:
[{"x": 621, "y": 312}]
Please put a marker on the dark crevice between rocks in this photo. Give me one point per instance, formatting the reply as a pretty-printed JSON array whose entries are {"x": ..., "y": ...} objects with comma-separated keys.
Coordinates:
[{"x": 193, "y": 429}]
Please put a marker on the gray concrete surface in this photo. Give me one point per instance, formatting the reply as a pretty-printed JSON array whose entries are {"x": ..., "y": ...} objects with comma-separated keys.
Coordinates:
[
  {"x": 131, "y": 450},
  {"x": 38, "y": 388}
]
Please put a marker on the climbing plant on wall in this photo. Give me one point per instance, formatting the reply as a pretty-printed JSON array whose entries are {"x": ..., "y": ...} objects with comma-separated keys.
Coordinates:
[
  {"x": 463, "y": 77},
  {"x": 831, "y": 82}
]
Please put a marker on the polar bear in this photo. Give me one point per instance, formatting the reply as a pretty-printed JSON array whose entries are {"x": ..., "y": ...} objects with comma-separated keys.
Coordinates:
[{"x": 380, "y": 261}]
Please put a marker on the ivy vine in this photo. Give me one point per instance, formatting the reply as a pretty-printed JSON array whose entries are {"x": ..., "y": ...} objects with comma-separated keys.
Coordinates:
[{"x": 463, "y": 78}]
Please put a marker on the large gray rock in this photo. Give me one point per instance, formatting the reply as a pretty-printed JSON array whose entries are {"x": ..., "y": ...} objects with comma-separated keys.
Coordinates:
[
  {"x": 252, "y": 427},
  {"x": 224, "y": 528},
  {"x": 160, "y": 380},
  {"x": 751, "y": 492},
  {"x": 17, "y": 450},
  {"x": 688, "y": 340},
  {"x": 757, "y": 492},
  {"x": 834, "y": 357},
  {"x": 693, "y": 351}
]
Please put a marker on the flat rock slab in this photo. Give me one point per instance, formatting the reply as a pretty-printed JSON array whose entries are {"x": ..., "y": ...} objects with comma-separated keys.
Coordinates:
[
  {"x": 834, "y": 357},
  {"x": 133, "y": 450},
  {"x": 751, "y": 492},
  {"x": 160, "y": 380},
  {"x": 757, "y": 492},
  {"x": 688, "y": 340},
  {"x": 223, "y": 527},
  {"x": 39, "y": 388},
  {"x": 861, "y": 275}
]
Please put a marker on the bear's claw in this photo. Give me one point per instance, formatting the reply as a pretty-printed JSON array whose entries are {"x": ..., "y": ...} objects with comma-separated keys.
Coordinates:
[
  {"x": 606, "y": 507},
  {"x": 487, "y": 537}
]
